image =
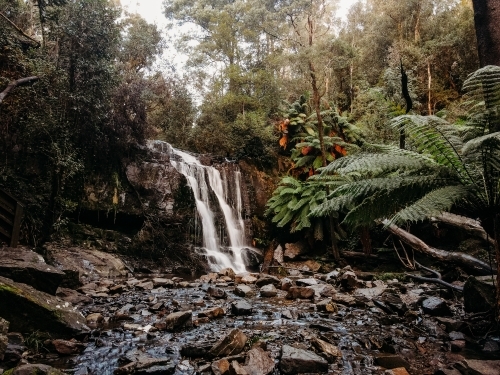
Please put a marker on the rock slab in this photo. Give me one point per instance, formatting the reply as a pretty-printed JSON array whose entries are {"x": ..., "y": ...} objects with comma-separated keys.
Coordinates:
[{"x": 294, "y": 361}]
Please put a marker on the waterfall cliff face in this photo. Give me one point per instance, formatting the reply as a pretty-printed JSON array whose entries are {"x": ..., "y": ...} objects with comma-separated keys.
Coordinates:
[{"x": 219, "y": 206}]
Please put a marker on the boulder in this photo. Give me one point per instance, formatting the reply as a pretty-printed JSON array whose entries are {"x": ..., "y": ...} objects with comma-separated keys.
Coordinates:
[
  {"x": 259, "y": 362},
  {"x": 241, "y": 307},
  {"x": 295, "y": 250},
  {"x": 162, "y": 282},
  {"x": 213, "y": 313},
  {"x": 87, "y": 264},
  {"x": 306, "y": 282},
  {"x": 435, "y": 306},
  {"x": 391, "y": 361},
  {"x": 35, "y": 369},
  {"x": 237, "y": 369},
  {"x": 248, "y": 279},
  {"x": 479, "y": 296},
  {"x": 72, "y": 296},
  {"x": 94, "y": 320},
  {"x": 145, "y": 285},
  {"x": 266, "y": 280},
  {"x": 252, "y": 258},
  {"x": 67, "y": 347},
  {"x": 28, "y": 267},
  {"x": 330, "y": 351},
  {"x": 243, "y": 290},
  {"x": 300, "y": 292},
  {"x": 179, "y": 320},
  {"x": 286, "y": 284},
  {"x": 227, "y": 272},
  {"x": 196, "y": 349},
  {"x": 221, "y": 367},
  {"x": 268, "y": 291},
  {"x": 216, "y": 292},
  {"x": 279, "y": 255},
  {"x": 294, "y": 361},
  {"x": 349, "y": 280},
  {"x": 327, "y": 305},
  {"x": 232, "y": 343},
  {"x": 28, "y": 309}
]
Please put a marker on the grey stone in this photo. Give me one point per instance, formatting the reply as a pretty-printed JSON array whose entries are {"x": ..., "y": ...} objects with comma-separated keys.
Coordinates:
[
  {"x": 300, "y": 292},
  {"x": 243, "y": 290},
  {"x": 179, "y": 320},
  {"x": 266, "y": 280},
  {"x": 435, "y": 306},
  {"x": 258, "y": 362},
  {"x": 268, "y": 291},
  {"x": 241, "y": 307},
  {"x": 294, "y": 361},
  {"x": 216, "y": 292},
  {"x": 294, "y": 250},
  {"x": 306, "y": 282}
]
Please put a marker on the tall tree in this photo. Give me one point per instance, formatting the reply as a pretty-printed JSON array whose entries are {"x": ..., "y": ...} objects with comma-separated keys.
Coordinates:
[{"x": 487, "y": 21}]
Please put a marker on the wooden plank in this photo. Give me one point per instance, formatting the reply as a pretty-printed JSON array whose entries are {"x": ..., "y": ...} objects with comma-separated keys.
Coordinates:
[
  {"x": 7, "y": 220},
  {"x": 7, "y": 206},
  {"x": 14, "y": 239}
]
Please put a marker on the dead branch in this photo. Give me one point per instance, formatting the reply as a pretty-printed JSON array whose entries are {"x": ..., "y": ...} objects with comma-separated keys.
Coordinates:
[
  {"x": 19, "y": 30},
  {"x": 471, "y": 226},
  {"x": 14, "y": 84},
  {"x": 473, "y": 264},
  {"x": 436, "y": 281}
]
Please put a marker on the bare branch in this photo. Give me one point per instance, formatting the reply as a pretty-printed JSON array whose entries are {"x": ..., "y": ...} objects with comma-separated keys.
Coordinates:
[
  {"x": 18, "y": 29},
  {"x": 14, "y": 84}
]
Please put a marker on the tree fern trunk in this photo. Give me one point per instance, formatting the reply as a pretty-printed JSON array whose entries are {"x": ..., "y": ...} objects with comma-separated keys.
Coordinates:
[
  {"x": 497, "y": 252},
  {"x": 487, "y": 24},
  {"x": 366, "y": 241}
]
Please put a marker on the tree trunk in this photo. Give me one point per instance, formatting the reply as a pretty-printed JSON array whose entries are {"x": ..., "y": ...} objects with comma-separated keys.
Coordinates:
[
  {"x": 335, "y": 246},
  {"x": 429, "y": 86},
  {"x": 479, "y": 267},
  {"x": 366, "y": 241},
  {"x": 487, "y": 24},
  {"x": 497, "y": 252}
]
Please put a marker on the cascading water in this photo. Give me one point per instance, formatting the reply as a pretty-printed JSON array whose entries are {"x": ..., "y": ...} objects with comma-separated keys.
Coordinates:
[{"x": 205, "y": 180}]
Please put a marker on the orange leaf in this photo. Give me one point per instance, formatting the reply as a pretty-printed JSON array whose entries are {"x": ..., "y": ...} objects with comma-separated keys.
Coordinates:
[
  {"x": 341, "y": 150},
  {"x": 284, "y": 140},
  {"x": 311, "y": 172},
  {"x": 306, "y": 150}
]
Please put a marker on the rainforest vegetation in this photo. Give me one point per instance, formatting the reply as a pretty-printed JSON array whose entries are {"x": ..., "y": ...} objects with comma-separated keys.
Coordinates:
[{"x": 386, "y": 117}]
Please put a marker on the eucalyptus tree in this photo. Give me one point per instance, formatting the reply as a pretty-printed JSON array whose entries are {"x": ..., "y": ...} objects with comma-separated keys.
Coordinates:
[{"x": 487, "y": 21}]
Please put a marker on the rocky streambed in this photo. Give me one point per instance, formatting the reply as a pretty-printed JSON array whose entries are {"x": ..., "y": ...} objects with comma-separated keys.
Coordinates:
[{"x": 341, "y": 322}]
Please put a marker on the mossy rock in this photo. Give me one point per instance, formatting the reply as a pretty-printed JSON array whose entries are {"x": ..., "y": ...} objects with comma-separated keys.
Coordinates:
[{"x": 28, "y": 310}]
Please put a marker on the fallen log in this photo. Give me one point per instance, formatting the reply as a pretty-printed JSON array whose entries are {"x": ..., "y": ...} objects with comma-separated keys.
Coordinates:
[
  {"x": 474, "y": 265},
  {"x": 14, "y": 84},
  {"x": 470, "y": 226}
]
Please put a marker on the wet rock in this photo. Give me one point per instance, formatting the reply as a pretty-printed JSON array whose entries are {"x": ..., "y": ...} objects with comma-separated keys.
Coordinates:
[
  {"x": 241, "y": 307},
  {"x": 266, "y": 280},
  {"x": 221, "y": 367},
  {"x": 391, "y": 303},
  {"x": 435, "y": 306},
  {"x": 72, "y": 296},
  {"x": 243, "y": 290},
  {"x": 457, "y": 345},
  {"x": 479, "y": 367},
  {"x": 349, "y": 280},
  {"x": 28, "y": 267},
  {"x": 251, "y": 257},
  {"x": 286, "y": 284},
  {"x": 28, "y": 309},
  {"x": 86, "y": 263},
  {"x": 300, "y": 292},
  {"x": 211, "y": 277},
  {"x": 216, "y": 292},
  {"x": 312, "y": 265},
  {"x": 196, "y": 349},
  {"x": 397, "y": 371},
  {"x": 390, "y": 361},
  {"x": 258, "y": 362},
  {"x": 213, "y": 313},
  {"x": 330, "y": 351},
  {"x": 162, "y": 282},
  {"x": 268, "y": 291},
  {"x": 147, "y": 366},
  {"x": 68, "y": 347},
  {"x": 94, "y": 320},
  {"x": 248, "y": 279},
  {"x": 491, "y": 346},
  {"x": 35, "y": 369},
  {"x": 306, "y": 282},
  {"x": 237, "y": 369},
  {"x": 479, "y": 296},
  {"x": 295, "y": 361},
  {"x": 323, "y": 290},
  {"x": 294, "y": 250},
  {"x": 327, "y": 305},
  {"x": 116, "y": 289},
  {"x": 450, "y": 324},
  {"x": 344, "y": 299},
  {"x": 287, "y": 314},
  {"x": 145, "y": 285},
  {"x": 227, "y": 272},
  {"x": 232, "y": 343},
  {"x": 179, "y": 320},
  {"x": 279, "y": 255},
  {"x": 456, "y": 335},
  {"x": 447, "y": 371},
  {"x": 332, "y": 277}
]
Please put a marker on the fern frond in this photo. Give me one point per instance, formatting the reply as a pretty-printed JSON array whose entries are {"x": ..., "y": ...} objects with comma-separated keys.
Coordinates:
[{"x": 431, "y": 204}]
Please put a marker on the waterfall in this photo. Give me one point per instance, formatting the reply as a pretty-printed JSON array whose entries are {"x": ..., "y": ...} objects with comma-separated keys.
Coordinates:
[{"x": 205, "y": 181}]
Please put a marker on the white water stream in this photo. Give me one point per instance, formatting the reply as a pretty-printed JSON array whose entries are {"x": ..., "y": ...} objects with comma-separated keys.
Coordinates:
[{"x": 205, "y": 180}]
